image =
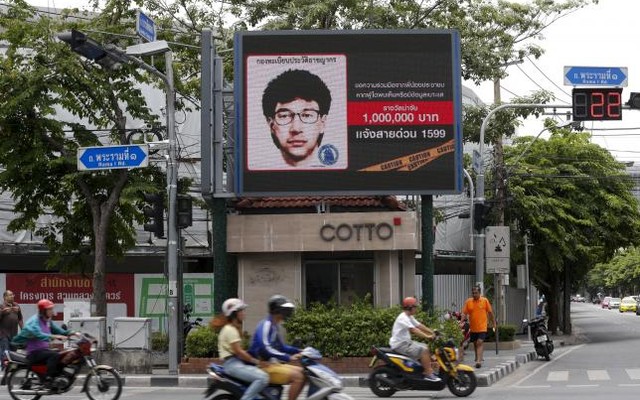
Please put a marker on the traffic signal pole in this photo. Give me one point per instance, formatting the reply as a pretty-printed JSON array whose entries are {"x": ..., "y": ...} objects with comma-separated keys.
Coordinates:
[
  {"x": 480, "y": 255},
  {"x": 174, "y": 313}
]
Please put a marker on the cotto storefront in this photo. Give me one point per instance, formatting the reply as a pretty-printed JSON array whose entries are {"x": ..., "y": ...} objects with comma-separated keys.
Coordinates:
[{"x": 323, "y": 256}]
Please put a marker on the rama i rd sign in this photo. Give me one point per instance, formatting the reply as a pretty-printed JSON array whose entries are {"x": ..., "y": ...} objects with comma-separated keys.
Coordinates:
[
  {"x": 113, "y": 157},
  {"x": 595, "y": 76}
]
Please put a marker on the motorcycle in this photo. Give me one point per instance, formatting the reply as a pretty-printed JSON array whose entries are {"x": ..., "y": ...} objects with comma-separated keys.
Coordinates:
[
  {"x": 541, "y": 339},
  {"x": 324, "y": 383},
  {"x": 187, "y": 324},
  {"x": 27, "y": 382},
  {"x": 464, "y": 327},
  {"x": 399, "y": 372}
]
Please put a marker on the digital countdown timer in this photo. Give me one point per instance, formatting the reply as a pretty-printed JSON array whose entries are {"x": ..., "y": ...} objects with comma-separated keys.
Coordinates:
[{"x": 597, "y": 104}]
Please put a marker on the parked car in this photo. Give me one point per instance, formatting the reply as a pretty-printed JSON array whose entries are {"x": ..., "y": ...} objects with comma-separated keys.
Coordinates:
[
  {"x": 605, "y": 302},
  {"x": 628, "y": 304},
  {"x": 614, "y": 303}
]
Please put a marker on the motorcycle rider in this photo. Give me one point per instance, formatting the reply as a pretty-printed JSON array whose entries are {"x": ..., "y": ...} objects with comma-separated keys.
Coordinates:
[
  {"x": 404, "y": 325},
  {"x": 237, "y": 362},
  {"x": 38, "y": 331},
  {"x": 267, "y": 344}
]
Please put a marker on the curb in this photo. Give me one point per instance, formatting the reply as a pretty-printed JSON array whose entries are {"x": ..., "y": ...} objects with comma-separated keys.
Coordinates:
[{"x": 503, "y": 369}]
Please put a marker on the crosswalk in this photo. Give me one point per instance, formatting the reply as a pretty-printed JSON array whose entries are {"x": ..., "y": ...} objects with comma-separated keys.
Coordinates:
[{"x": 584, "y": 378}]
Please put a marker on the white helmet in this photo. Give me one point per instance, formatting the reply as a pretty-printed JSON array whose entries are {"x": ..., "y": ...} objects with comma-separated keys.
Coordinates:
[{"x": 232, "y": 305}]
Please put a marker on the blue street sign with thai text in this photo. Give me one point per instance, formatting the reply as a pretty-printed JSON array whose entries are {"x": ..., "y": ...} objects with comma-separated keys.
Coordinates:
[
  {"x": 595, "y": 76},
  {"x": 113, "y": 157},
  {"x": 145, "y": 27}
]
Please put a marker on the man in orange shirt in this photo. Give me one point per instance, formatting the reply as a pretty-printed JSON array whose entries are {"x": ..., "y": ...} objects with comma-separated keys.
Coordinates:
[{"x": 479, "y": 311}]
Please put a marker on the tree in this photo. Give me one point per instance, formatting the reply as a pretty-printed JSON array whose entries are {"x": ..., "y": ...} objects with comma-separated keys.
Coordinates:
[
  {"x": 621, "y": 274},
  {"x": 42, "y": 81},
  {"x": 575, "y": 201}
]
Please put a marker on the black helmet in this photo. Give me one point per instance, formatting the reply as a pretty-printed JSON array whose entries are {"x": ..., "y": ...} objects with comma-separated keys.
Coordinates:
[{"x": 278, "y": 304}]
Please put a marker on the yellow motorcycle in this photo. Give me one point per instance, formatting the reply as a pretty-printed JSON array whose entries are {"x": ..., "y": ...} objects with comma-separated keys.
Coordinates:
[{"x": 398, "y": 372}]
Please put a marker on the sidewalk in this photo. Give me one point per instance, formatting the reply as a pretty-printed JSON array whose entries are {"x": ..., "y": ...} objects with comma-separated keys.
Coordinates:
[{"x": 494, "y": 368}]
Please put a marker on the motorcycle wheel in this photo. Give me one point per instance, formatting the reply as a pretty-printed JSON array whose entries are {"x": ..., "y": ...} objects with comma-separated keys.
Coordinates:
[
  {"x": 463, "y": 384},
  {"x": 550, "y": 347},
  {"x": 23, "y": 378},
  {"x": 103, "y": 384},
  {"x": 543, "y": 351},
  {"x": 224, "y": 396},
  {"x": 378, "y": 387}
]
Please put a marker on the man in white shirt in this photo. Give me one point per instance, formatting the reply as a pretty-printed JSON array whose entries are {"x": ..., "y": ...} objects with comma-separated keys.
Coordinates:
[{"x": 401, "y": 342}]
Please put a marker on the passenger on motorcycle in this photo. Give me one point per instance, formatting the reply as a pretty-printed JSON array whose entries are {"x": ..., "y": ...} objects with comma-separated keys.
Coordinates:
[
  {"x": 401, "y": 342},
  {"x": 268, "y": 345},
  {"x": 237, "y": 362},
  {"x": 37, "y": 332}
]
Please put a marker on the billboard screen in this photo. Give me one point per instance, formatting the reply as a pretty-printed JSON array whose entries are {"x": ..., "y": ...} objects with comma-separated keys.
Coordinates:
[{"x": 342, "y": 112}]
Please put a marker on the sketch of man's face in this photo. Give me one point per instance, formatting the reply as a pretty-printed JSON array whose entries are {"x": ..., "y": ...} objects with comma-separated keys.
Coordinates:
[{"x": 298, "y": 138}]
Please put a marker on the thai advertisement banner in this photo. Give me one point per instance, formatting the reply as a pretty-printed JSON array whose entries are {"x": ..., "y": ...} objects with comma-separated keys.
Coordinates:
[{"x": 348, "y": 112}]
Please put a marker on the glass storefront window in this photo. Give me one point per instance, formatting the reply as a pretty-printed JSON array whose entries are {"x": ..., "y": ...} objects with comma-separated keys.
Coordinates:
[{"x": 340, "y": 282}]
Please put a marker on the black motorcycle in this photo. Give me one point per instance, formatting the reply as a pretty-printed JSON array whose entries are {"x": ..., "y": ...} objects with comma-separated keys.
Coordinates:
[
  {"x": 188, "y": 324},
  {"x": 541, "y": 339}
]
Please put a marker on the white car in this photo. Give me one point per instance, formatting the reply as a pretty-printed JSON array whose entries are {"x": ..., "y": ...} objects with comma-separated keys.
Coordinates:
[{"x": 614, "y": 303}]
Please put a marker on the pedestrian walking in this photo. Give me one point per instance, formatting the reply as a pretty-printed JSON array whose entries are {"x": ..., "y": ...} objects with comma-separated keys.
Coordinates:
[
  {"x": 478, "y": 310},
  {"x": 10, "y": 320}
]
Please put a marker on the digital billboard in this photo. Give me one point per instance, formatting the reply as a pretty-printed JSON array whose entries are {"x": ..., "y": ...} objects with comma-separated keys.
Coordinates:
[{"x": 348, "y": 112}]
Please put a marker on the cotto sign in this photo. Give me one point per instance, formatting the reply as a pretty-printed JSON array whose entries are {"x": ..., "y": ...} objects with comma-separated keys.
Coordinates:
[{"x": 360, "y": 231}]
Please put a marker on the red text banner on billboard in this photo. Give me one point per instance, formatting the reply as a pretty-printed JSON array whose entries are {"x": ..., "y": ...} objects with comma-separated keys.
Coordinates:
[
  {"x": 342, "y": 112},
  {"x": 61, "y": 288}
]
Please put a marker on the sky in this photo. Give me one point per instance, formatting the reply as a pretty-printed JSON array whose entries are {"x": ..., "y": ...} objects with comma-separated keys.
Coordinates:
[{"x": 601, "y": 35}]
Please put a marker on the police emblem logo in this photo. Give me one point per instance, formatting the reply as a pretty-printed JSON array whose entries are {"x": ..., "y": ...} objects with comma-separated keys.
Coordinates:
[{"x": 328, "y": 154}]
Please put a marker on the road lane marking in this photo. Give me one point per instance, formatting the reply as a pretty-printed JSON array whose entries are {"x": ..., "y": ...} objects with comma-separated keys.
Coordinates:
[
  {"x": 582, "y": 386},
  {"x": 629, "y": 384},
  {"x": 598, "y": 375},
  {"x": 535, "y": 371},
  {"x": 633, "y": 373},
  {"x": 534, "y": 387},
  {"x": 557, "y": 376}
]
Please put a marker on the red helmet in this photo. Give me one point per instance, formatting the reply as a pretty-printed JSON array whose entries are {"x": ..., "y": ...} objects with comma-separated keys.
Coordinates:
[
  {"x": 409, "y": 302},
  {"x": 45, "y": 304}
]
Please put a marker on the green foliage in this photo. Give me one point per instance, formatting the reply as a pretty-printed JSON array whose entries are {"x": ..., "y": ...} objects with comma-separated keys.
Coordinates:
[
  {"x": 202, "y": 342},
  {"x": 159, "y": 341},
  {"x": 620, "y": 274},
  {"x": 506, "y": 333},
  {"x": 91, "y": 214},
  {"x": 576, "y": 203},
  {"x": 350, "y": 331}
]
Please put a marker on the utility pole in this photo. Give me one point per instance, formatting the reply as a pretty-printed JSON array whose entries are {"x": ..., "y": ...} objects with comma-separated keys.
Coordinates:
[
  {"x": 480, "y": 257},
  {"x": 500, "y": 195}
]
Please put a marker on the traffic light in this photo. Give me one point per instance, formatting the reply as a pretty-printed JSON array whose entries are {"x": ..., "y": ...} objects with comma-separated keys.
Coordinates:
[
  {"x": 185, "y": 211},
  {"x": 481, "y": 218},
  {"x": 155, "y": 214},
  {"x": 634, "y": 101}
]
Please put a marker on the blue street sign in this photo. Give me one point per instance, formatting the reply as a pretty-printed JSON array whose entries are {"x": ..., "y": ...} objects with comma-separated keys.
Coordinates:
[
  {"x": 145, "y": 27},
  {"x": 595, "y": 76},
  {"x": 113, "y": 157}
]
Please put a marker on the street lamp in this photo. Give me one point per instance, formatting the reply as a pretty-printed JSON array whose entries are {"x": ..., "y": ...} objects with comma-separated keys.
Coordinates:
[
  {"x": 479, "y": 199},
  {"x": 563, "y": 125},
  {"x": 90, "y": 49},
  {"x": 110, "y": 56}
]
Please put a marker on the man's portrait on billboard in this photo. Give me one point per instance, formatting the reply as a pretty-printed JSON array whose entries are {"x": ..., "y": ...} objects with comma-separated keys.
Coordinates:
[{"x": 296, "y": 112}]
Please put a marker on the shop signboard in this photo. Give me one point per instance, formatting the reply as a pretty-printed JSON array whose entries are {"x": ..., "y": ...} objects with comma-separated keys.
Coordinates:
[
  {"x": 70, "y": 288},
  {"x": 348, "y": 112}
]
